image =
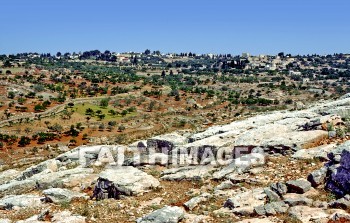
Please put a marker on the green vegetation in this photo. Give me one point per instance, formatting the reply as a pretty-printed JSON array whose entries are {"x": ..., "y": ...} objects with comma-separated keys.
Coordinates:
[{"x": 104, "y": 113}]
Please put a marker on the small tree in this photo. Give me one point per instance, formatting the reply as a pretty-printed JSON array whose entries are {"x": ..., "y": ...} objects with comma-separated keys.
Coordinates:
[
  {"x": 104, "y": 102},
  {"x": 24, "y": 141},
  {"x": 121, "y": 128}
]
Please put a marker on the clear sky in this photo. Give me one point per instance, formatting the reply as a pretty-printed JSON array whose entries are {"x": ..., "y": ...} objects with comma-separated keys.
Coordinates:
[{"x": 201, "y": 26}]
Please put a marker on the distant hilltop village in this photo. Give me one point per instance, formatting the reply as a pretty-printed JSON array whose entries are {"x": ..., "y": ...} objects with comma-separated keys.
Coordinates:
[{"x": 192, "y": 62}]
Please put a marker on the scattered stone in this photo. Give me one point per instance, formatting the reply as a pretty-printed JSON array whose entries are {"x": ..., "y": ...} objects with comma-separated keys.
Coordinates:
[
  {"x": 167, "y": 214},
  {"x": 298, "y": 186}
]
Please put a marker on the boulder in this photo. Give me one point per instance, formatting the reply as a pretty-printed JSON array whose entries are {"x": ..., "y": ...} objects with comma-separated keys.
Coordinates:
[
  {"x": 59, "y": 195},
  {"x": 129, "y": 180},
  {"x": 165, "y": 143},
  {"x": 167, "y": 214},
  {"x": 298, "y": 186},
  {"x": 22, "y": 201},
  {"x": 339, "y": 172},
  {"x": 51, "y": 165},
  {"x": 17, "y": 187},
  {"x": 45, "y": 180},
  {"x": 5, "y": 220}
]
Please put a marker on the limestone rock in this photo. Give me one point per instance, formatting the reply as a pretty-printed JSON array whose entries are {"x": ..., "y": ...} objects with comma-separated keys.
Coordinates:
[
  {"x": 130, "y": 180},
  {"x": 22, "y": 201},
  {"x": 8, "y": 175},
  {"x": 17, "y": 187},
  {"x": 59, "y": 195}
]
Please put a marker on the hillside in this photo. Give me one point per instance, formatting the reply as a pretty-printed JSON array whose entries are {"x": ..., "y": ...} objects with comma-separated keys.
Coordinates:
[{"x": 281, "y": 166}]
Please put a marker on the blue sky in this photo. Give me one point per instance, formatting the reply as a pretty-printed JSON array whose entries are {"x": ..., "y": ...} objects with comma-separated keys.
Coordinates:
[{"x": 202, "y": 26}]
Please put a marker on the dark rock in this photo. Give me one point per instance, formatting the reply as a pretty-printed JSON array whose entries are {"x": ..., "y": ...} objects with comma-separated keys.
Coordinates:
[
  {"x": 298, "y": 186},
  {"x": 339, "y": 176}
]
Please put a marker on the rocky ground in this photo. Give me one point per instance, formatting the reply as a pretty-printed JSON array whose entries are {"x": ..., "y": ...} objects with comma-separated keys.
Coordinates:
[{"x": 290, "y": 166}]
